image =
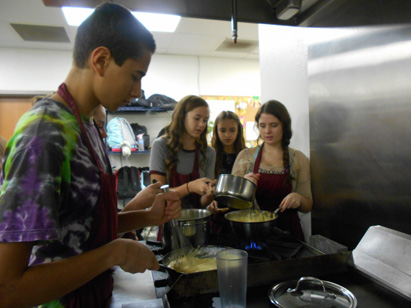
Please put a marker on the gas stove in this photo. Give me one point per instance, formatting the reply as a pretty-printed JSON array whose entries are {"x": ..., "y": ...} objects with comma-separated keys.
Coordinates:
[
  {"x": 278, "y": 246},
  {"x": 275, "y": 259}
]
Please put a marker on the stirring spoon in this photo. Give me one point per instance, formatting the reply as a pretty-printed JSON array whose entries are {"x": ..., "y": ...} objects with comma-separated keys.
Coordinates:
[{"x": 274, "y": 213}]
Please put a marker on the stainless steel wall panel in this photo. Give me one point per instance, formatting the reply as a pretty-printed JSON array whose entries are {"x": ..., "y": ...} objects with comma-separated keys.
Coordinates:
[{"x": 360, "y": 133}]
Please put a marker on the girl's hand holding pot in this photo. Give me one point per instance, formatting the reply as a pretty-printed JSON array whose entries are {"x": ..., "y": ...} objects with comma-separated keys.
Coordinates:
[
  {"x": 211, "y": 188},
  {"x": 253, "y": 177},
  {"x": 200, "y": 186}
]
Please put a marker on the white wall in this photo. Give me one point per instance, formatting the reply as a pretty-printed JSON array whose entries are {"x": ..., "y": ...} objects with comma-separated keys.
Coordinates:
[
  {"x": 283, "y": 65},
  {"x": 42, "y": 71},
  {"x": 35, "y": 70},
  {"x": 32, "y": 70}
]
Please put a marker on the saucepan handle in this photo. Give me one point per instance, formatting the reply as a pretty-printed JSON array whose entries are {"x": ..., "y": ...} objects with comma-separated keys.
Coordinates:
[{"x": 313, "y": 279}]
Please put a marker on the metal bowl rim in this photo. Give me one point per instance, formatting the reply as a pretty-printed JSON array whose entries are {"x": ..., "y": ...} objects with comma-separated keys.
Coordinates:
[
  {"x": 207, "y": 214},
  {"x": 226, "y": 216},
  {"x": 222, "y": 176}
]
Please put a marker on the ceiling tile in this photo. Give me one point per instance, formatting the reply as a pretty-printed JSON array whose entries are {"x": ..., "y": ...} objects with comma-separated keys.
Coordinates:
[
  {"x": 196, "y": 37},
  {"x": 195, "y": 42},
  {"x": 163, "y": 39}
]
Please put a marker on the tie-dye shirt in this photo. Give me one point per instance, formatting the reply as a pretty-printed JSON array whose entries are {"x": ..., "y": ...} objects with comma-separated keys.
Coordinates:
[{"x": 51, "y": 183}]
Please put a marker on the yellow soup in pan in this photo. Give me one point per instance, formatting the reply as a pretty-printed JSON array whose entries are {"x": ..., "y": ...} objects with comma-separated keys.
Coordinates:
[
  {"x": 193, "y": 264},
  {"x": 252, "y": 216}
]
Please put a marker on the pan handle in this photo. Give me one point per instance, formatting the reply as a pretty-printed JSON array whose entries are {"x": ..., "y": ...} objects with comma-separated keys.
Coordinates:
[
  {"x": 163, "y": 268},
  {"x": 175, "y": 281},
  {"x": 172, "y": 273}
]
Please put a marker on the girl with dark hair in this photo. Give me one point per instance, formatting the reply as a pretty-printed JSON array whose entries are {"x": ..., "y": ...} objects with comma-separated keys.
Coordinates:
[
  {"x": 182, "y": 157},
  {"x": 281, "y": 173},
  {"x": 228, "y": 141}
]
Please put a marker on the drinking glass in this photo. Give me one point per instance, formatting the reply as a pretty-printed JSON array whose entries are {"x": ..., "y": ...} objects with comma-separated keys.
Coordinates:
[{"x": 232, "y": 277}]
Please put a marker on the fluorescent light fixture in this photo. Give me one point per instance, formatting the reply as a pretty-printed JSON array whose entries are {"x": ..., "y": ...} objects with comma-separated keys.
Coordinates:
[
  {"x": 152, "y": 21},
  {"x": 158, "y": 22},
  {"x": 76, "y": 15},
  {"x": 287, "y": 9}
]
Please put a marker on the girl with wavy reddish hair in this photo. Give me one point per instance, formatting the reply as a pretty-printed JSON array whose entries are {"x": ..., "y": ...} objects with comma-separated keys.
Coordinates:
[{"x": 182, "y": 158}]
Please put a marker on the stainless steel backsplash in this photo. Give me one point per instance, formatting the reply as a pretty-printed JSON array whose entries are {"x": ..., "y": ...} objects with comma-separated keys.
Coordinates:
[{"x": 360, "y": 133}]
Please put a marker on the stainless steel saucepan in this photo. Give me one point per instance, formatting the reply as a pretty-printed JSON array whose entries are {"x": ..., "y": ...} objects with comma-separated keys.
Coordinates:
[{"x": 234, "y": 192}]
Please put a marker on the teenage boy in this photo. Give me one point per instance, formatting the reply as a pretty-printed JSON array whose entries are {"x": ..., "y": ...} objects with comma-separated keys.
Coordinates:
[{"x": 58, "y": 210}]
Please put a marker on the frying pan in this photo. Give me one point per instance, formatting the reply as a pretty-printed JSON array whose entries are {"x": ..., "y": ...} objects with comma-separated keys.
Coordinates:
[
  {"x": 200, "y": 252},
  {"x": 190, "y": 283}
]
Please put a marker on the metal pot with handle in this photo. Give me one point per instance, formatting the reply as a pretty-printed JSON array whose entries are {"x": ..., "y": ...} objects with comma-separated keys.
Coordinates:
[
  {"x": 193, "y": 224},
  {"x": 234, "y": 191},
  {"x": 251, "y": 224}
]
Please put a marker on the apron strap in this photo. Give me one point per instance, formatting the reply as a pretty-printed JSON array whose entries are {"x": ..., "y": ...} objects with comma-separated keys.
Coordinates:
[
  {"x": 68, "y": 98},
  {"x": 97, "y": 292},
  {"x": 256, "y": 152},
  {"x": 257, "y": 158}
]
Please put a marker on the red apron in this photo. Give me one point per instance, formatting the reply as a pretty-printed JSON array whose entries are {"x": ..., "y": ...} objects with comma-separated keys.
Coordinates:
[
  {"x": 271, "y": 190},
  {"x": 176, "y": 179},
  {"x": 190, "y": 201},
  {"x": 97, "y": 292}
]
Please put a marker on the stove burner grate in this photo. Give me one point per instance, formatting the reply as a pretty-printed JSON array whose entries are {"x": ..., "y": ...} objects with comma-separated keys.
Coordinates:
[{"x": 263, "y": 251}]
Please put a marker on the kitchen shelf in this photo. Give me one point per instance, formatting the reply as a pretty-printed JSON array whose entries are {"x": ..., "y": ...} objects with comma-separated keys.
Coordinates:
[
  {"x": 154, "y": 119},
  {"x": 133, "y": 152},
  {"x": 138, "y": 110}
]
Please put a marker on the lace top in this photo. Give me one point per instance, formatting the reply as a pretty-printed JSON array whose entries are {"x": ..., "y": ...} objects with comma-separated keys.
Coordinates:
[{"x": 299, "y": 169}]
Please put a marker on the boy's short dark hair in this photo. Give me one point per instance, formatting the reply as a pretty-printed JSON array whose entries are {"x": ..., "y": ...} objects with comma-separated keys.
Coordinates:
[{"x": 115, "y": 27}]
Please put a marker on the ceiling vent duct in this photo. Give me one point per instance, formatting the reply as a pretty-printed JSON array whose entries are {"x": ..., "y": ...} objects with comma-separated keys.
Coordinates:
[
  {"x": 35, "y": 33},
  {"x": 286, "y": 9}
]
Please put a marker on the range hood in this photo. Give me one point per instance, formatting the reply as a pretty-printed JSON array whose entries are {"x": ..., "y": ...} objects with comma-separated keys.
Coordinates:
[{"x": 312, "y": 13}]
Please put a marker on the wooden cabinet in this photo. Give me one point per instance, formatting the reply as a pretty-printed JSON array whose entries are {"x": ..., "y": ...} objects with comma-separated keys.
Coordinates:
[{"x": 11, "y": 109}]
